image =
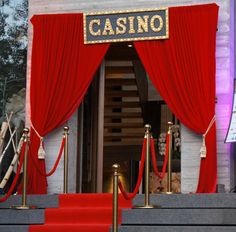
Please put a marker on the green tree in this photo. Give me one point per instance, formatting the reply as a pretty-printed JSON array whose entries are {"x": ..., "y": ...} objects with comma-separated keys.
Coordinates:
[{"x": 13, "y": 49}]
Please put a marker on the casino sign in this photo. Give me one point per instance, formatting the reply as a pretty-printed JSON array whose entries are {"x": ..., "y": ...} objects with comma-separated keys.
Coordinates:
[{"x": 123, "y": 26}]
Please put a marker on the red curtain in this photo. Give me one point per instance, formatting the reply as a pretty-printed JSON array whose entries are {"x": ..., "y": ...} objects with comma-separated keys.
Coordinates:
[
  {"x": 182, "y": 68},
  {"x": 62, "y": 69}
]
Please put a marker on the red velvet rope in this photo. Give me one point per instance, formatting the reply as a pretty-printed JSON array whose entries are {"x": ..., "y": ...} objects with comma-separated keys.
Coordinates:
[
  {"x": 154, "y": 161},
  {"x": 56, "y": 163},
  {"x": 13, "y": 185},
  {"x": 132, "y": 195}
]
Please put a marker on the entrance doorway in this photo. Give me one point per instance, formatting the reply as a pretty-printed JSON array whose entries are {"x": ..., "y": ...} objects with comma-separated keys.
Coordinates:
[
  {"x": 126, "y": 92},
  {"x": 120, "y": 101}
]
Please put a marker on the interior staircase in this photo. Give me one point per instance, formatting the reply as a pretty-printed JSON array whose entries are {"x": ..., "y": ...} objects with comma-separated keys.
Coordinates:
[{"x": 123, "y": 117}]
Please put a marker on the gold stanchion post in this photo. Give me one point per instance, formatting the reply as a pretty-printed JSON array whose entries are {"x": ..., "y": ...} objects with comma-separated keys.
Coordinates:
[
  {"x": 24, "y": 189},
  {"x": 65, "y": 186},
  {"x": 147, "y": 167},
  {"x": 115, "y": 168},
  {"x": 147, "y": 170},
  {"x": 169, "y": 176}
]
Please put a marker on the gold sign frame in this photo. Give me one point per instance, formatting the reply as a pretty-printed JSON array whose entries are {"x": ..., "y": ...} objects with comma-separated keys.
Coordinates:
[{"x": 141, "y": 38}]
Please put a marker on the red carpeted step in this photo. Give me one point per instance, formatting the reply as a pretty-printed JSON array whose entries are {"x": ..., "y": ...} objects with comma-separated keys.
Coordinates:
[
  {"x": 70, "y": 228},
  {"x": 81, "y": 213},
  {"x": 90, "y": 199}
]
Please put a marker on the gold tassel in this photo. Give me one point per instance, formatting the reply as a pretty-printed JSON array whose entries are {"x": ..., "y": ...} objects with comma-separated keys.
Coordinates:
[
  {"x": 41, "y": 152},
  {"x": 203, "y": 150}
]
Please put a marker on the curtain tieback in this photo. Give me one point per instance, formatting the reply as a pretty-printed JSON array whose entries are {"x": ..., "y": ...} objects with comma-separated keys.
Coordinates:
[
  {"x": 41, "y": 151},
  {"x": 203, "y": 150}
]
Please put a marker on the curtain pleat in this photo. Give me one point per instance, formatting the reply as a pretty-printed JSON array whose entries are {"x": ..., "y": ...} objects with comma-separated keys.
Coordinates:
[
  {"x": 62, "y": 70},
  {"x": 182, "y": 68}
]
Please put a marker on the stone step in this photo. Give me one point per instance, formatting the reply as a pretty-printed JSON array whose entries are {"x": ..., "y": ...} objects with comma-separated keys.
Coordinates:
[
  {"x": 16, "y": 228},
  {"x": 122, "y": 93},
  {"x": 123, "y": 135},
  {"x": 123, "y": 104},
  {"x": 179, "y": 216},
  {"x": 177, "y": 228},
  {"x": 120, "y": 82},
  {"x": 219, "y": 200},
  {"x": 119, "y": 70},
  {"x": 117, "y": 144},
  {"x": 123, "y": 114},
  {"x": 129, "y": 152},
  {"x": 123, "y": 125},
  {"x": 41, "y": 201},
  {"x": 21, "y": 217}
]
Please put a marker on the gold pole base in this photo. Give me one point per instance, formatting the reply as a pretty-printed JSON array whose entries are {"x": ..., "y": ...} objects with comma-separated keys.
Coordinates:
[
  {"x": 169, "y": 193},
  {"x": 23, "y": 207},
  {"x": 146, "y": 207}
]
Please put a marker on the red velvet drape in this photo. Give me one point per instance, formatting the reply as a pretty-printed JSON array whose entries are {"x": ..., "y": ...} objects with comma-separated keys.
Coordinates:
[
  {"x": 62, "y": 69},
  {"x": 182, "y": 68}
]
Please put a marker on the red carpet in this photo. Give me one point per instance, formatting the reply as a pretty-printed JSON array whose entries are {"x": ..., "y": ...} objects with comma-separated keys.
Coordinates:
[{"x": 81, "y": 213}]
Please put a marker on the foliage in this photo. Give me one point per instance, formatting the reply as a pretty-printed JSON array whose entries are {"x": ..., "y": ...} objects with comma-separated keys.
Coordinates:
[{"x": 13, "y": 49}]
